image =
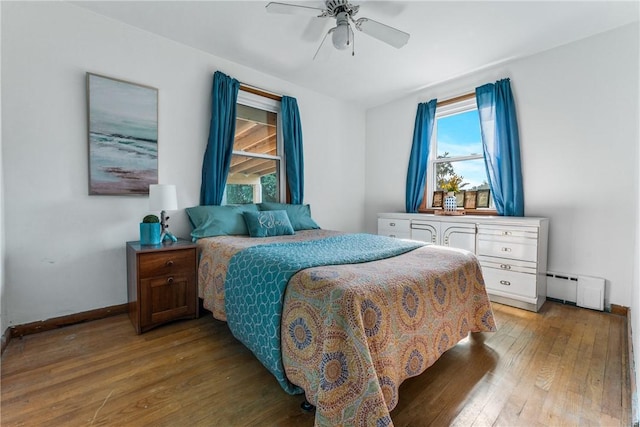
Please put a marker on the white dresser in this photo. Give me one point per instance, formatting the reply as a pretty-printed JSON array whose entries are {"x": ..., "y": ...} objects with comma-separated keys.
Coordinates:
[{"x": 512, "y": 250}]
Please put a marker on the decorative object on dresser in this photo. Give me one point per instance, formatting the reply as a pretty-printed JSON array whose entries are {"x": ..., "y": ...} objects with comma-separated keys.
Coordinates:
[
  {"x": 483, "y": 198},
  {"x": 163, "y": 197},
  {"x": 150, "y": 231},
  {"x": 161, "y": 283},
  {"x": 470, "y": 199},
  {"x": 450, "y": 204},
  {"x": 512, "y": 250},
  {"x": 437, "y": 199}
]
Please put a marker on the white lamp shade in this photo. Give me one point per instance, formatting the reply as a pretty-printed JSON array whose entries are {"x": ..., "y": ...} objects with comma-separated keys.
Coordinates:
[{"x": 163, "y": 197}]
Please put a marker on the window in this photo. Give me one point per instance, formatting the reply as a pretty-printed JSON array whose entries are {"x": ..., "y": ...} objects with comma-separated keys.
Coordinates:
[
  {"x": 256, "y": 173},
  {"x": 456, "y": 150}
]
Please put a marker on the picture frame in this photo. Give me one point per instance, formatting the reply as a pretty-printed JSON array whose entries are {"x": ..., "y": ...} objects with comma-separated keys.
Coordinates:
[
  {"x": 470, "y": 199},
  {"x": 438, "y": 197},
  {"x": 460, "y": 198},
  {"x": 482, "y": 198},
  {"x": 122, "y": 124}
]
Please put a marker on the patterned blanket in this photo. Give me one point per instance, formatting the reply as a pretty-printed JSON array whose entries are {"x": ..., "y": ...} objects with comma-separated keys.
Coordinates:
[
  {"x": 257, "y": 278},
  {"x": 351, "y": 334}
]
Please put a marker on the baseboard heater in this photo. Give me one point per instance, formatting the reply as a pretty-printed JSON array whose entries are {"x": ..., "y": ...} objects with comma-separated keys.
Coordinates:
[{"x": 584, "y": 291}]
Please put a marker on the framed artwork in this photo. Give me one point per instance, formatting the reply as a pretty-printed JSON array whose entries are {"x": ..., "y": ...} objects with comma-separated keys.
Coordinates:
[
  {"x": 470, "y": 199},
  {"x": 437, "y": 199},
  {"x": 482, "y": 199},
  {"x": 460, "y": 198},
  {"x": 123, "y": 136}
]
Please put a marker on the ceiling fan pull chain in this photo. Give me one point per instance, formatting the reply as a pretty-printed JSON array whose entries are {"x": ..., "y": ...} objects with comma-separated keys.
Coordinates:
[{"x": 353, "y": 46}]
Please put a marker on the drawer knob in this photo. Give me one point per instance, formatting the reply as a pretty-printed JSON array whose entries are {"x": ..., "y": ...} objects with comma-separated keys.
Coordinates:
[
  {"x": 170, "y": 280},
  {"x": 506, "y": 233},
  {"x": 506, "y": 249},
  {"x": 169, "y": 263},
  {"x": 392, "y": 235},
  {"x": 505, "y": 266},
  {"x": 505, "y": 282},
  {"x": 392, "y": 224}
]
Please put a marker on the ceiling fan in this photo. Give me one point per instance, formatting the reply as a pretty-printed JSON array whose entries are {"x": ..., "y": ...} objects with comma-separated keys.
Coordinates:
[{"x": 342, "y": 34}]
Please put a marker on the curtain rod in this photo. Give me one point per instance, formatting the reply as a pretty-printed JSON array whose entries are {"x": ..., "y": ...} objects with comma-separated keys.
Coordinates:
[
  {"x": 256, "y": 91},
  {"x": 456, "y": 99}
]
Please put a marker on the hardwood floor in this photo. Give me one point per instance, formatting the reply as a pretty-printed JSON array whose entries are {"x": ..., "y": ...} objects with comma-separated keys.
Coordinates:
[{"x": 562, "y": 366}]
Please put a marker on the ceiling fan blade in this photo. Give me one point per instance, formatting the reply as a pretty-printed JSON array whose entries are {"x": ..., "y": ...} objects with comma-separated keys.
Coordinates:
[
  {"x": 382, "y": 32},
  {"x": 323, "y": 54},
  {"x": 294, "y": 9},
  {"x": 314, "y": 30}
]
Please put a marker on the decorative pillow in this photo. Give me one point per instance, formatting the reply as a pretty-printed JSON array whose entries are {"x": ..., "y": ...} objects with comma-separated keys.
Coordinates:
[
  {"x": 208, "y": 221},
  {"x": 299, "y": 215},
  {"x": 268, "y": 223}
]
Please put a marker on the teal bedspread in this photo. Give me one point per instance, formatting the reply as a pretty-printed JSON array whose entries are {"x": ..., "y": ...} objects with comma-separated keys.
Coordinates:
[{"x": 257, "y": 279}]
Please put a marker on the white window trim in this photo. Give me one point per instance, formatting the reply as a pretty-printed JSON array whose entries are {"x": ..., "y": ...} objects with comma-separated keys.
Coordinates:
[
  {"x": 447, "y": 110},
  {"x": 268, "y": 104}
]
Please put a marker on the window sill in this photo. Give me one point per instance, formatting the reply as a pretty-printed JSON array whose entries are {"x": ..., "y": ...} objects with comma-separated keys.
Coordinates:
[{"x": 475, "y": 212}]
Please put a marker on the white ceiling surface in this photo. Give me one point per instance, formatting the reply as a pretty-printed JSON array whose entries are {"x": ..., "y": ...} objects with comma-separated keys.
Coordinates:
[{"x": 448, "y": 38}]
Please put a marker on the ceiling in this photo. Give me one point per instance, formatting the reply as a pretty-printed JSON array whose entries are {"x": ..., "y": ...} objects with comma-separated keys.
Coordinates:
[{"x": 448, "y": 38}]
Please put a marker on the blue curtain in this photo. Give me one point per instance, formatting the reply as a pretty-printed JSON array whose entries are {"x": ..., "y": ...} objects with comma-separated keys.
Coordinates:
[
  {"x": 292, "y": 136},
  {"x": 417, "y": 172},
  {"x": 217, "y": 157},
  {"x": 501, "y": 144}
]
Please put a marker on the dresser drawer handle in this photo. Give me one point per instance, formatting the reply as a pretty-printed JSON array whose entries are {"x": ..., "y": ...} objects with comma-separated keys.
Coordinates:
[
  {"x": 392, "y": 224},
  {"x": 505, "y": 282},
  {"x": 505, "y": 266},
  {"x": 506, "y": 233},
  {"x": 506, "y": 249},
  {"x": 169, "y": 263},
  {"x": 392, "y": 235},
  {"x": 170, "y": 280}
]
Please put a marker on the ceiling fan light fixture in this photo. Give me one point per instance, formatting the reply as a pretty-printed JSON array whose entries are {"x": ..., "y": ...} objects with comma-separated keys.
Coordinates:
[{"x": 342, "y": 36}]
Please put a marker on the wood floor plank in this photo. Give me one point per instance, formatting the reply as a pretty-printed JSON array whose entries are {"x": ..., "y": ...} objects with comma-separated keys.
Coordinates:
[{"x": 562, "y": 366}]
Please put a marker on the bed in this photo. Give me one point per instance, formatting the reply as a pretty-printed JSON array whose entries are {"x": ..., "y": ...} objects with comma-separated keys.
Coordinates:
[{"x": 349, "y": 334}]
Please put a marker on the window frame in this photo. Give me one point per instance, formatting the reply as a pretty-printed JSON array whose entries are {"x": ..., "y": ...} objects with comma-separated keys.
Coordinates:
[
  {"x": 251, "y": 99},
  {"x": 447, "y": 108}
]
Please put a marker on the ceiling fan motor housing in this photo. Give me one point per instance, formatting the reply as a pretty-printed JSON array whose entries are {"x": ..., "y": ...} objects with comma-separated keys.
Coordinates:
[{"x": 334, "y": 7}]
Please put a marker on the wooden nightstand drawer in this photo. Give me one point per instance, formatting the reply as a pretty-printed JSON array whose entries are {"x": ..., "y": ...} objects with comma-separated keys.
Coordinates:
[
  {"x": 165, "y": 263},
  {"x": 167, "y": 298}
]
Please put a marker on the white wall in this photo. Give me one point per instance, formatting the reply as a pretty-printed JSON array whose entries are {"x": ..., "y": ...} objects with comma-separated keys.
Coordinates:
[
  {"x": 3, "y": 311},
  {"x": 578, "y": 115},
  {"x": 635, "y": 288},
  {"x": 65, "y": 250}
]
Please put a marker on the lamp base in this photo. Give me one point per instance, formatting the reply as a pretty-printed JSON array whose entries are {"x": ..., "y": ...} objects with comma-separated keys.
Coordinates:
[{"x": 167, "y": 236}]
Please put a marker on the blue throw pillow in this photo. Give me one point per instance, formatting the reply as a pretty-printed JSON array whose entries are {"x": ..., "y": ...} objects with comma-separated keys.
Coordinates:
[
  {"x": 299, "y": 215},
  {"x": 268, "y": 223},
  {"x": 209, "y": 221}
]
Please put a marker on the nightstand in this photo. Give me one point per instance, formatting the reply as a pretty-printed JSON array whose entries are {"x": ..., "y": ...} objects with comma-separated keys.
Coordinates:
[{"x": 161, "y": 283}]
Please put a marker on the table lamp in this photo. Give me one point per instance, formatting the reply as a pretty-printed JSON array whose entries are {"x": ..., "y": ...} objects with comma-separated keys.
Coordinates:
[{"x": 162, "y": 197}]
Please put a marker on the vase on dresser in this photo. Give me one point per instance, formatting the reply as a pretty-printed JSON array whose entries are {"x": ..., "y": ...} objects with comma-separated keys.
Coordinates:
[{"x": 449, "y": 203}]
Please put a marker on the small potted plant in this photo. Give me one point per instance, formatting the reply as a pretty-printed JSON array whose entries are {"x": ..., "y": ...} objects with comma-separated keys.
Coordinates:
[
  {"x": 451, "y": 186},
  {"x": 150, "y": 230}
]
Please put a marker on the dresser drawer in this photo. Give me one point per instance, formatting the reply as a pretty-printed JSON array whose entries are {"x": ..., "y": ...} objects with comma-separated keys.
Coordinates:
[
  {"x": 166, "y": 263},
  {"x": 507, "y": 231},
  {"x": 518, "y": 266},
  {"x": 508, "y": 248},
  {"x": 522, "y": 284},
  {"x": 400, "y": 228}
]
